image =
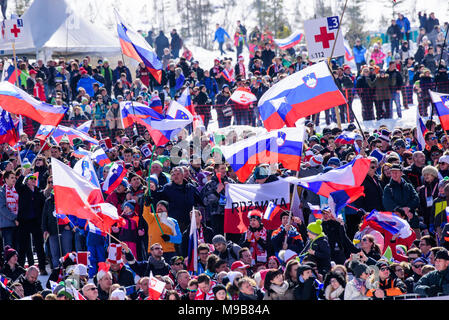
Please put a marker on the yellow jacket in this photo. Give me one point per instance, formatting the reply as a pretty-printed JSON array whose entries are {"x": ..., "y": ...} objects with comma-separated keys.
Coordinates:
[{"x": 154, "y": 232}]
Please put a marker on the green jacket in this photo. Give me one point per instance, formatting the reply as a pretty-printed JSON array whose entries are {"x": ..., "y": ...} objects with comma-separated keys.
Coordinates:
[{"x": 433, "y": 278}]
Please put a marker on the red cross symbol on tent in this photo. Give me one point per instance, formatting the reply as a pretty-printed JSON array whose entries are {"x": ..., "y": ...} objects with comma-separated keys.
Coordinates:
[
  {"x": 15, "y": 31},
  {"x": 324, "y": 37}
]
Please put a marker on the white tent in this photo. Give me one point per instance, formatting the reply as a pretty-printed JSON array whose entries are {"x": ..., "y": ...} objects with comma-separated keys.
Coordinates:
[{"x": 54, "y": 27}]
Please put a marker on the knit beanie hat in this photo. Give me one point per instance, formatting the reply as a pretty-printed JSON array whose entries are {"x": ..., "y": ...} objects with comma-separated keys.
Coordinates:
[
  {"x": 316, "y": 160},
  {"x": 358, "y": 268},
  {"x": 9, "y": 253},
  {"x": 430, "y": 170},
  {"x": 303, "y": 268},
  {"x": 130, "y": 204},
  {"x": 315, "y": 227},
  {"x": 164, "y": 203},
  {"x": 233, "y": 274},
  {"x": 158, "y": 163},
  {"x": 154, "y": 179},
  {"x": 333, "y": 161},
  {"x": 218, "y": 239},
  {"x": 218, "y": 287},
  {"x": 162, "y": 159}
]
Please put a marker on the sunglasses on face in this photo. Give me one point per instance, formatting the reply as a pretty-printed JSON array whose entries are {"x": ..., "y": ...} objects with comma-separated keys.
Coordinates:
[
  {"x": 373, "y": 167},
  {"x": 418, "y": 266},
  {"x": 384, "y": 269},
  {"x": 192, "y": 290},
  {"x": 32, "y": 178},
  {"x": 178, "y": 263}
]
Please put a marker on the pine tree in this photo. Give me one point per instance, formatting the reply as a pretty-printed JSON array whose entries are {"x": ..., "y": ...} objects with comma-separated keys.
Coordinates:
[
  {"x": 321, "y": 9},
  {"x": 22, "y": 6},
  {"x": 354, "y": 22},
  {"x": 270, "y": 14}
]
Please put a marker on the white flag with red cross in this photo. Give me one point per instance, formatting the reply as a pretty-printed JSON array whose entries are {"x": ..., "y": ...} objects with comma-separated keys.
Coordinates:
[
  {"x": 12, "y": 30},
  {"x": 321, "y": 35}
]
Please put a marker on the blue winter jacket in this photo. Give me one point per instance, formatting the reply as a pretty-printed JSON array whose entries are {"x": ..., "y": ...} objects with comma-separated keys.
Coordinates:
[
  {"x": 359, "y": 54},
  {"x": 220, "y": 33},
  {"x": 404, "y": 23},
  {"x": 87, "y": 83}
]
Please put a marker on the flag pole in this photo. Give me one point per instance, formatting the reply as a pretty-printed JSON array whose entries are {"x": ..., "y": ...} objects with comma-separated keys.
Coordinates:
[
  {"x": 16, "y": 82},
  {"x": 337, "y": 108}
]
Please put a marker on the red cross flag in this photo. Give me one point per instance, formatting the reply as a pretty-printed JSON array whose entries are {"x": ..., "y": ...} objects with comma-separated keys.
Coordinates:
[
  {"x": 321, "y": 34},
  {"x": 12, "y": 30}
]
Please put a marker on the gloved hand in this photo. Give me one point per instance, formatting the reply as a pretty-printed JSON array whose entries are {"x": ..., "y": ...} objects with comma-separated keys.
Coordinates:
[
  {"x": 147, "y": 200},
  {"x": 432, "y": 291},
  {"x": 165, "y": 237}
]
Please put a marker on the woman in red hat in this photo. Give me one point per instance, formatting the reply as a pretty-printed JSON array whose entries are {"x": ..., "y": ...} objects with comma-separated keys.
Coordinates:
[{"x": 256, "y": 238}]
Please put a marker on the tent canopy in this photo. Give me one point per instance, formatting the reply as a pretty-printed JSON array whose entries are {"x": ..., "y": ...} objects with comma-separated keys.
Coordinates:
[{"x": 53, "y": 26}]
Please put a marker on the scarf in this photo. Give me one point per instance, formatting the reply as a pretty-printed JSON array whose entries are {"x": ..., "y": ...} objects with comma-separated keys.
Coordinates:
[
  {"x": 167, "y": 221},
  {"x": 12, "y": 199},
  {"x": 280, "y": 289},
  {"x": 242, "y": 69},
  {"x": 257, "y": 252},
  {"x": 158, "y": 264},
  {"x": 200, "y": 235},
  {"x": 331, "y": 294}
]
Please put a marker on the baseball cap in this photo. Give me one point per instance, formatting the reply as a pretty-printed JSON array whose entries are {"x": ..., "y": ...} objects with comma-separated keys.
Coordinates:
[{"x": 238, "y": 265}]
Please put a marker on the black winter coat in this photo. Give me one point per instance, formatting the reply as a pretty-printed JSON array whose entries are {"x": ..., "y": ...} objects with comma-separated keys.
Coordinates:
[
  {"x": 208, "y": 234},
  {"x": 49, "y": 221},
  {"x": 12, "y": 275},
  {"x": 305, "y": 290},
  {"x": 340, "y": 245},
  {"x": 373, "y": 195},
  {"x": 29, "y": 288},
  {"x": 181, "y": 199},
  {"x": 322, "y": 256},
  {"x": 31, "y": 203}
]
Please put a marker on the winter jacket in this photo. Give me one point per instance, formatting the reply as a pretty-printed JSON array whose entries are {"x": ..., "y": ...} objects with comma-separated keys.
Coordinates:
[
  {"x": 230, "y": 254},
  {"x": 123, "y": 277},
  {"x": 12, "y": 275},
  {"x": 144, "y": 268},
  {"x": 7, "y": 218},
  {"x": 31, "y": 203},
  {"x": 431, "y": 190},
  {"x": 161, "y": 43},
  {"x": 400, "y": 195},
  {"x": 118, "y": 71},
  {"x": 352, "y": 292},
  {"x": 29, "y": 288},
  {"x": 305, "y": 290},
  {"x": 391, "y": 287},
  {"x": 439, "y": 279},
  {"x": 359, "y": 54},
  {"x": 220, "y": 33},
  {"x": 381, "y": 87},
  {"x": 378, "y": 56},
  {"x": 373, "y": 195},
  {"x": 322, "y": 256},
  {"x": 176, "y": 42},
  {"x": 287, "y": 295},
  {"x": 214, "y": 202},
  {"x": 403, "y": 23},
  {"x": 294, "y": 239},
  {"x": 208, "y": 234},
  {"x": 87, "y": 83},
  {"x": 340, "y": 245},
  {"x": 181, "y": 199},
  {"x": 211, "y": 86},
  {"x": 154, "y": 231},
  {"x": 258, "y": 295},
  {"x": 414, "y": 175}
]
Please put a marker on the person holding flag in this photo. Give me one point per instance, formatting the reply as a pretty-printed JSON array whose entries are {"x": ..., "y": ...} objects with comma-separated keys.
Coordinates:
[
  {"x": 317, "y": 248},
  {"x": 287, "y": 236},
  {"x": 255, "y": 238}
]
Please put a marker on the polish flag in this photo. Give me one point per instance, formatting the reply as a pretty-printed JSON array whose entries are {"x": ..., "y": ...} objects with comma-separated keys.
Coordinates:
[
  {"x": 75, "y": 195},
  {"x": 156, "y": 288}
]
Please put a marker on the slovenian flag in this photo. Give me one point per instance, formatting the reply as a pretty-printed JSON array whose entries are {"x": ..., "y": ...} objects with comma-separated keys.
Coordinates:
[
  {"x": 280, "y": 146},
  {"x": 346, "y": 138},
  {"x": 85, "y": 127},
  {"x": 9, "y": 73},
  {"x": 44, "y": 131},
  {"x": 72, "y": 133},
  {"x": 17, "y": 101},
  {"x": 441, "y": 102},
  {"x": 192, "y": 255},
  {"x": 100, "y": 157},
  {"x": 421, "y": 131},
  {"x": 388, "y": 222},
  {"x": 316, "y": 211},
  {"x": 293, "y": 40},
  {"x": 299, "y": 95},
  {"x": 339, "y": 199},
  {"x": 115, "y": 176},
  {"x": 344, "y": 177},
  {"x": 271, "y": 211},
  {"x": 135, "y": 46},
  {"x": 8, "y": 132}
]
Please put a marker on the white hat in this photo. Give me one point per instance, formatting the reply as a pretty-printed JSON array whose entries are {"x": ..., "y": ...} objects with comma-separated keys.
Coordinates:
[
  {"x": 77, "y": 269},
  {"x": 316, "y": 160},
  {"x": 118, "y": 293},
  {"x": 287, "y": 255},
  {"x": 444, "y": 159}
]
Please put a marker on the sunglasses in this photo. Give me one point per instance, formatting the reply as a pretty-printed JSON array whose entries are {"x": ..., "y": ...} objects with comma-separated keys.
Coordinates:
[
  {"x": 50, "y": 181},
  {"x": 192, "y": 290},
  {"x": 373, "y": 167},
  {"x": 365, "y": 239},
  {"x": 418, "y": 266},
  {"x": 384, "y": 269},
  {"x": 92, "y": 289},
  {"x": 136, "y": 156},
  {"x": 178, "y": 263},
  {"x": 399, "y": 270},
  {"x": 157, "y": 249},
  {"x": 32, "y": 178}
]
